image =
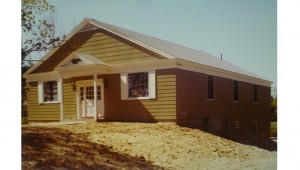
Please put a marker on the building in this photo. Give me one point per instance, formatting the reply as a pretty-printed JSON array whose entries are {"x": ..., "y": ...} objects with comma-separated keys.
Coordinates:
[{"x": 109, "y": 73}]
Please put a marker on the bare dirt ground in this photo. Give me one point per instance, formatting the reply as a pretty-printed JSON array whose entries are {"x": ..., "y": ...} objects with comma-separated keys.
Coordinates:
[{"x": 108, "y": 145}]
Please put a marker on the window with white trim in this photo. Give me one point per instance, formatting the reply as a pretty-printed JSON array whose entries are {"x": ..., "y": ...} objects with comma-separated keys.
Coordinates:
[
  {"x": 48, "y": 91},
  {"x": 139, "y": 85}
]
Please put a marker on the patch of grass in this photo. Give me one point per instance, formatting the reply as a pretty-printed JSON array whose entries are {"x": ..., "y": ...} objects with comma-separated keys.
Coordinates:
[
  {"x": 273, "y": 129},
  {"x": 274, "y": 125}
]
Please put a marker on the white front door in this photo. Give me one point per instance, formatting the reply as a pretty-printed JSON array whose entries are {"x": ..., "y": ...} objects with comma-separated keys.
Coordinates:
[{"x": 87, "y": 101}]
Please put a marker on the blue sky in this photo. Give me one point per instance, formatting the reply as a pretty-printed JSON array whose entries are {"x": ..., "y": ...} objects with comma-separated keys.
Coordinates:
[{"x": 244, "y": 31}]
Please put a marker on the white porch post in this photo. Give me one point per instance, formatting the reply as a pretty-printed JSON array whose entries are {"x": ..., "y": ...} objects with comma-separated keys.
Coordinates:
[
  {"x": 78, "y": 101},
  {"x": 95, "y": 96},
  {"x": 61, "y": 98}
]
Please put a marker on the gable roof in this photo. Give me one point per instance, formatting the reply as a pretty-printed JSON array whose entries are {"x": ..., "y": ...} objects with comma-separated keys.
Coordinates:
[
  {"x": 167, "y": 49},
  {"x": 173, "y": 50}
]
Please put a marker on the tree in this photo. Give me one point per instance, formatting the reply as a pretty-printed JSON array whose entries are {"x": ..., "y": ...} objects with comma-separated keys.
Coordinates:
[
  {"x": 38, "y": 28},
  {"x": 38, "y": 33},
  {"x": 274, "y": 106}
]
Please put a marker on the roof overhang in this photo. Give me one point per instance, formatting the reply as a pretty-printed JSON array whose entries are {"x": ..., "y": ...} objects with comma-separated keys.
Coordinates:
[
  {"x": 54, "y": 75},
  {"x": 84, "y": 70},
  {"x": 87, "y": 70},
  {"x": 91, "y": 69},
  {"x": 201, "y": 68}
]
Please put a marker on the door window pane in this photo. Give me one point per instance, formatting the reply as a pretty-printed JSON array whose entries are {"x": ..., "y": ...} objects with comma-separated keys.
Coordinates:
[
  {"x": 81, "y": 94},
  {"x": 90, "y": 93},
  {"x": 98, "y": 93}
]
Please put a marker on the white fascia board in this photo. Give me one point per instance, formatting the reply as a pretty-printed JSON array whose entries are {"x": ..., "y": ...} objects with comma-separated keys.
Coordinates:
[
  {"x": 90, "y": 59},
  {"x": 66, "y": 60},
  {"x": 80, "y": 56},
  {"x": 190, "y": 66},
  {"x": 168, "y": 56},
  {"x": 68, "y": 36},
  {"x": 88, "y": 82},
  {"x": 83, "y": 70},
  {"x": 85, "y": 59},
  {"x": 42, "y": 76}
]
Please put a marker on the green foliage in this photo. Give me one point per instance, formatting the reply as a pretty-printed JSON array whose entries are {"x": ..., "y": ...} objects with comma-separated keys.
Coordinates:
[
  {"x": 38, "y": 30},
  {"x": 30, "y": 9},
  {"x": 274, "y": 105},
  {"x": 274, "y": 102},
  {"x": 274, "y": 125},
  {"x": 273, "y": 129}
]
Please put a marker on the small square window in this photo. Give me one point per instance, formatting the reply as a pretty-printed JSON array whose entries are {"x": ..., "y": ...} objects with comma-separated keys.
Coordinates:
[{"x": 236, "y": 124}]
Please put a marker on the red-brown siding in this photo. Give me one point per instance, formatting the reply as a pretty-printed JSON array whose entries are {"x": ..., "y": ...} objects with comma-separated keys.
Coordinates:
[
  {"x": 193, "y": 107},
  {"x": 159, "y": 109}
]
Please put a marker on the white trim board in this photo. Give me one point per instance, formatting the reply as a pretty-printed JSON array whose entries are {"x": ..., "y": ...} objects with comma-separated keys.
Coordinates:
[{"x": 86, "y": 70}]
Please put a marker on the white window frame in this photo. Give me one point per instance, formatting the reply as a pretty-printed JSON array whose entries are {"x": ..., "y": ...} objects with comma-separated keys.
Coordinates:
[
  {"x": 151, "y": 86},
  {"x": 41, "y": 92}
]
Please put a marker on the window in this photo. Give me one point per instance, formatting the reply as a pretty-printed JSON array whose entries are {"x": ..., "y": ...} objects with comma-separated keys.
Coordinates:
[
  {"x": 255, "y": 93},
  {"x": 89, "y": 94},
  {"x": 210, "y": 87},
  {"x": 139, "y": 85},
  {"x": 48, "y": 91},
  {"x": 236, "y": 124},
  {"x": 236, "y": 91}
]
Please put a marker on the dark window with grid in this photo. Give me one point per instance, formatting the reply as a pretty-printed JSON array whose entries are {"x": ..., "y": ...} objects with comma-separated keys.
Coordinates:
[
  {"x": 138, "y": 85},
  {"x": 89, "y": 94},
  {"x": 236, "y": 91},
  {"x": 81, "y": 94},
  {"x": 50, "y": 91},
  {"x": 210, "y": 87},
  {"x": 255, "y": 93}
]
